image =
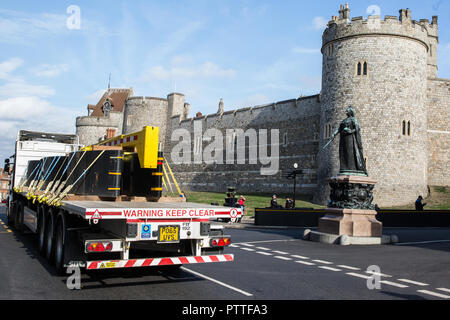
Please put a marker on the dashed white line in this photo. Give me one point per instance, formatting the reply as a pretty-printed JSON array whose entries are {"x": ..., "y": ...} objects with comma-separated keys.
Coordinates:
[
  {"x": 218, "y": 282},
  {"x": 413, "y": 282},
  {"x": 282, "y": 258},
  {"x": 394, "y": 284},
  {"x": 299, "y": 257},
  {"x": 264, "y": 253},
  {"x": 444, "y": 289},
  {"x": 358, "y": 275},
  {"x": 329, "y": 268},
  {"x": 248, "y": 244},
  {"x": 280, "y": 252},
  {"x": 305, "y": 262},
  {"x": 263, "y": 248},
  {"x": 248, "y": 249},
  {"x": 323, "y": 261},
  {"x": 379, "y": 274},
  {"x": 348, "y": 267},
  {"x": 234, "y": 246},
  {"x": 431, "y": 293}
]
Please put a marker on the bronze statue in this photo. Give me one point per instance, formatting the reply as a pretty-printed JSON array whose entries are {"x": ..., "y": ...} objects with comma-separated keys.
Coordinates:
[{"x": 350, "y": 146}]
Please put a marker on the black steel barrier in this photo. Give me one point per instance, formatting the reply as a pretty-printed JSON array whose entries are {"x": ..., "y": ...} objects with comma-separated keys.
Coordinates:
[{"x": 389, "y": 218}]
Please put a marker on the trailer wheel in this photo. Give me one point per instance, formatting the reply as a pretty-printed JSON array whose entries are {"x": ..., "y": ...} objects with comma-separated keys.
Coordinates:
[
  {"x": 41, "y": 230},
  {"x": 18, "y": 217},
  {"x": 49, "y": 252},
  {"x": 9, "y": 214},
  {"x": 60, "y": 247}
]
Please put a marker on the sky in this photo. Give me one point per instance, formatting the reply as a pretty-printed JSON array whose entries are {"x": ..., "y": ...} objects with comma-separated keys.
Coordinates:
[{"x": 56, "y": 56}]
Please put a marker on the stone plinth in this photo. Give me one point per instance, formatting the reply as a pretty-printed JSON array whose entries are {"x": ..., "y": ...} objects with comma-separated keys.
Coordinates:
[
  {"x": 352, "y": 222},
  {"x": 350, "y": 210}
]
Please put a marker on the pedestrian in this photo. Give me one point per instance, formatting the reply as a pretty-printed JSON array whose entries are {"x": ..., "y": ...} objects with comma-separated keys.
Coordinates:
[
  {"x": 419, "y": 204},
  {"x": 274, "y": 202},
  {"x": 289, "y": 203},
  {"x": 241, "y": 203}
]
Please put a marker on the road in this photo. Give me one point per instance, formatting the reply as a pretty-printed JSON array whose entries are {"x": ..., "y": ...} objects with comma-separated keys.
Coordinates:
[{"x": 269, "y": 264}]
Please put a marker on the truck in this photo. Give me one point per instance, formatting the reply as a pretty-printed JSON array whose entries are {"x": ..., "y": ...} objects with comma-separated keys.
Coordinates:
[{"x": 102, "y": 206}]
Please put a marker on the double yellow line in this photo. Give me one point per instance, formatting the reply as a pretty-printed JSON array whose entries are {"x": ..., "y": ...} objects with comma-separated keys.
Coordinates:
[{"x": 5, "y": 226}]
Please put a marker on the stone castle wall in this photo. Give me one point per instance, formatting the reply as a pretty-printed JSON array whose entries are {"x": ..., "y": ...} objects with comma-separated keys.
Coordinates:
[
  {"x": 392, "y": 91},
  {"x": 91, "y": 130},
  {"x": 297, "y": 121},
  {"x": 438, "y": 102}
]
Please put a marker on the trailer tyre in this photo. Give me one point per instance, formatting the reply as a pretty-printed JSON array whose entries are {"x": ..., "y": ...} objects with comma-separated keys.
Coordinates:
[
  {"x": 18, "y": 217},
  {"x": 49, "y": 243},
  {"x": 60, "y": 247},
  {"x": 41, "y": 231},
  {"x": 9, "y": 214}
]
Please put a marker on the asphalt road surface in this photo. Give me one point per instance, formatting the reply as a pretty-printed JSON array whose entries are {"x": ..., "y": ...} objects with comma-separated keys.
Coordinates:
[{"x": 269, "y": 264}]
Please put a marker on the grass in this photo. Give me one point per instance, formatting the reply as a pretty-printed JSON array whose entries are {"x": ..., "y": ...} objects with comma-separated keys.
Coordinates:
[
  {"x": 439, "y": 199},
  {"x": 260, "y": 200}
]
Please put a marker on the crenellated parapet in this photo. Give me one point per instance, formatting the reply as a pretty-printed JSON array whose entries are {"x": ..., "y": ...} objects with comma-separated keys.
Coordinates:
[{"x": 343, "y": 27}]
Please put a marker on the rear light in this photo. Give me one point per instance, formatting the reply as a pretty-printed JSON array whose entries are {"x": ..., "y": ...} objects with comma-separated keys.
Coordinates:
[
  {"x": 220, "y": 242},
  {"x": 100, "y": 246}
]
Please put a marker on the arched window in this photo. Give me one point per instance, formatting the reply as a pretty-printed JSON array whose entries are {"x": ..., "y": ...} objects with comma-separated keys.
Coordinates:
[
  {"x": 404, "y": 127},
  {"x": 409, "y": 128},
  {"x": 358, "y": 70},
  {"x": 285, "y": 139},
  {"x": 365, "y": 69}
]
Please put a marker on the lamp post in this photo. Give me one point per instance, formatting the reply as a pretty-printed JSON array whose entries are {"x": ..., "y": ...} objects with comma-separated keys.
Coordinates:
[{"x": 293, "y": 175}]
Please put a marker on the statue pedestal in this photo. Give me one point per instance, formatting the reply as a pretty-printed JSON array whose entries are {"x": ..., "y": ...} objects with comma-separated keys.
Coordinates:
[{"x": 350, "y": 212}]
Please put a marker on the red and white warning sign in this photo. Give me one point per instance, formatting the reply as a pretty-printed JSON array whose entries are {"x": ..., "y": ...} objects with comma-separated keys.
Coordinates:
[
  {"x": 233, "y": 213},
  {"x": 96, "y": 216}
]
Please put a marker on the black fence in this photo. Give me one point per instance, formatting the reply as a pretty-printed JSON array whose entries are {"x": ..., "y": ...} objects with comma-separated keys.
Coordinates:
[{"x": 389, "y": 218}]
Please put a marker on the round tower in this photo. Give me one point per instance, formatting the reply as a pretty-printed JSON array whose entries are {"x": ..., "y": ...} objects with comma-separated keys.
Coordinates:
[{"x": 380, "y": 68}]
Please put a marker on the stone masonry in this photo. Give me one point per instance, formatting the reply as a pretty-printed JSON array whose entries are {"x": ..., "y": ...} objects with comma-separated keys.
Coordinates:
[{"x": 385, "y": 68}]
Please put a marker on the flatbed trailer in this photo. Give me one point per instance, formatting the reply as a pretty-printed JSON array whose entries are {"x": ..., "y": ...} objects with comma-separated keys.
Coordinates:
[{"x": 123, "y": 232}]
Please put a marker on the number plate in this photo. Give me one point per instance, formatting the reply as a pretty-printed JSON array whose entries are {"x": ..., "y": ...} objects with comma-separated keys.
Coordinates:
[{"x": 169, "y": 234}]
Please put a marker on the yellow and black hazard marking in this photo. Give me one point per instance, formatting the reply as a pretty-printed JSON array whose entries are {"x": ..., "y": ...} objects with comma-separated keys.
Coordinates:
[{"x": 4, "y": 228}]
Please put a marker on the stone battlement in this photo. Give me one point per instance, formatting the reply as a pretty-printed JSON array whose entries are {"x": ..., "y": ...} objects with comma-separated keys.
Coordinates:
[{"x": 343, "y": 27}]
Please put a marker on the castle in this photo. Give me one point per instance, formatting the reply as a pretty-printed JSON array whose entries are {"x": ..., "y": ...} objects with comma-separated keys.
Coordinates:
[{"x": 385, "y": 68}]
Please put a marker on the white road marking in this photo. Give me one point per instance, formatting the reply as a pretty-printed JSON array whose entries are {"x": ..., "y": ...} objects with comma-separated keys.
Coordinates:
[
  {"x": 264, "y": 253},
  {"x": 394, "y": 284},
  {"x": 264, "y": 241},
  {"x": 329, "y": 268},
  {"x": 234, "y": 246},
  {"x": 299, "y": 257},
  {"x": 263, "y": 248},
  {"x": 323, "y": 261},
  {"x": 282, "y": 258},
  {"x": 431, "y": 293},
  {"x": 444, "y": 289},
  {"x": 280, "y": 252},
  {"x": 358, "y": 275},
  {"x": 218, "y": 282},
  {"x": 421, "y": 242},
  {"x": 379, "y": 274},
  {"x": 348, "y": 267},
  {"x": 248, "y": 249},
  {"x": 305, "y": 262},
  {"x": 413, "y": 282},
  {"x": 248, "y": 244}
]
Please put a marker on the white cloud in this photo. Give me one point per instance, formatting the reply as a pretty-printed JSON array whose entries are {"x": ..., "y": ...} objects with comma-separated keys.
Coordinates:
[
  {"x": 34, "y": 114},
  {"x": 19, "y": 88},
  {"x": 9, "y": 66},
  {"x": 49, "y": 71},
  {"x": 205, "y": 70},
  {"x": 95, "y": 96},
  {"x": 319, "y": 23},
  {"x": 305, "y": 50}
]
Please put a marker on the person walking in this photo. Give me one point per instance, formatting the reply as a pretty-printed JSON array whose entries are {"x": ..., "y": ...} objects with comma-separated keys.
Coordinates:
[
  {"x": 419, "y": 204},
  {"x": 241, "y": 203}
]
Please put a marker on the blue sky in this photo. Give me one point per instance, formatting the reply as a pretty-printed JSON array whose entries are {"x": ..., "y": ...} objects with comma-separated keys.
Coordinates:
[{"x": 246, "y": 52}]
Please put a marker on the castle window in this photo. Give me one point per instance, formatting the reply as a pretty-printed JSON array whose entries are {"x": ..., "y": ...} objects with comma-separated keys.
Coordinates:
[
  {"x": 330, "y": 49},
  {"x": 365, "y": 69},
  {"x": 285, "y": 139},
  {"x": 409, "y": 128},
  {"x": 358, "y": 70},
  {"x": 327, "y": 131},
  {"x": 404, "y": 127},
  {"x": 431, "y": 49}
]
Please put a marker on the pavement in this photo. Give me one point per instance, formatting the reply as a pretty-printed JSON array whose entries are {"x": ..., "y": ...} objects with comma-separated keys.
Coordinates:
[{"x": 270, "y": 264}]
